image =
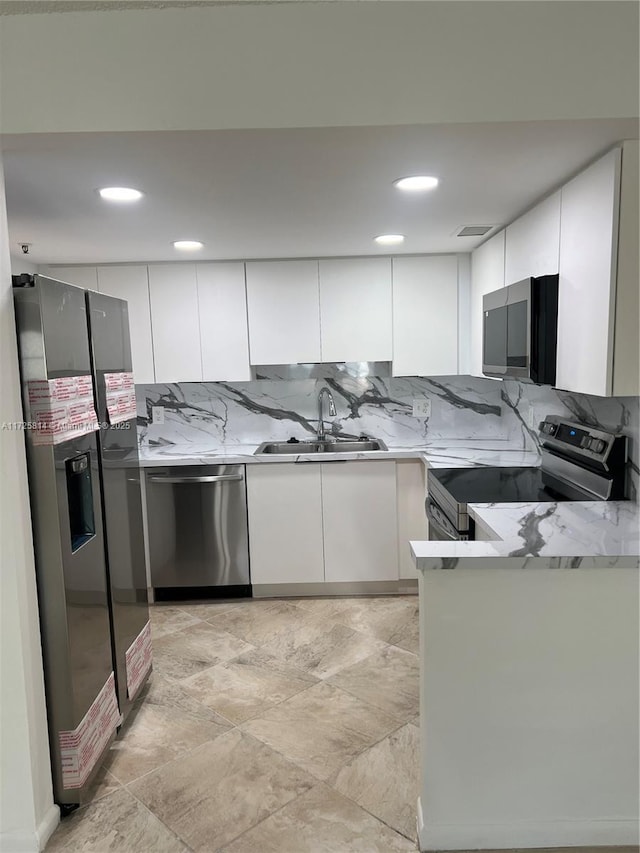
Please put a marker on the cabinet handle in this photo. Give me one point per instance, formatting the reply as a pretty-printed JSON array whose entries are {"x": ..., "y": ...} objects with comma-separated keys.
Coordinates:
[{"x": 218, "y": 478}]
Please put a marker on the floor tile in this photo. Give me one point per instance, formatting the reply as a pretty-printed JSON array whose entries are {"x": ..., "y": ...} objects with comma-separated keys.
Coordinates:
[
  {"x": 387, "y": 618},
  {"x": 103, "y": 784},
  {"x": 321, "y": 647},
  {"x": 166, "y": 619},
  {"x": 258, "y": 625},
  {"x": 321, "y": 728},
  {"x": 248, "y": 685},
  {"x": 115, "y": 824},
  {"x": 218, "y": 791},
  {"x": 189, "y": 651},
  {"x": 166, "y": 725},
  {"x": 384, "y": 780},
  {"x": 387, "y": 679},
  {"x": 321, "y": 821}
]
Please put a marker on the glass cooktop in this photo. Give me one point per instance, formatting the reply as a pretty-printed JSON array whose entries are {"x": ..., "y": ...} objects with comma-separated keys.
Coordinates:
[{"x": 493, "y": 485}]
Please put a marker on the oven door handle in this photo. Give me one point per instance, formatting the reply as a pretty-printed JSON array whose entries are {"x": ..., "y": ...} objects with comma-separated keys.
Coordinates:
[{"x": 436, "y": 517}]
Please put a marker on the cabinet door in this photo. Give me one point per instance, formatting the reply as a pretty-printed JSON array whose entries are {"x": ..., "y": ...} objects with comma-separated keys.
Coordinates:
[
  {"x": 425, "y": 316},
  {"x": 174, "y": 317},
  {"x": 285, "y": 523},
  {"x": 355, "y": 309},
  {"x": 532, "y": 242},
  {"x": 359, "y": 516},
  {"x": 131, "y": 283},
  {"x": 224, "y": 337},
  {"x": 412, "y": 520},
  {"x": 284, "y": 312},
  {"x": 586, "y": 301},
  {"x": 487, "y": 274},
  {"x": 80, "y": 276}
]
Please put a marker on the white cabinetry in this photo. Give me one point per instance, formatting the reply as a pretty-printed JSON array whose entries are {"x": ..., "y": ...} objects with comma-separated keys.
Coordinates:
[
  {"x": 330, "y": 522},
  {"x": 80, "y": 276},
  {"x": 284, "y": 312},
  {"x": 222, "y": 307},
  {"x": 359, "y": 514},
  {"x": 355, "y": 309},
  {"x": 598, "y": 299},
  {"x": 487, "y": 274},
  {"x": 285, "y": 523},
  {"x": 176, "y": 328},
  {"x": 131, "y": 283},
  {"x": 532, "y": 242},
  {"x": 425, "y": 316},
  {"x": 412, "y": 521}
]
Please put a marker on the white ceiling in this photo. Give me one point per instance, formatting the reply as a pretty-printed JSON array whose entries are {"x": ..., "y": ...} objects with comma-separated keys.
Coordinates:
[{"x": 284, "y": 193}]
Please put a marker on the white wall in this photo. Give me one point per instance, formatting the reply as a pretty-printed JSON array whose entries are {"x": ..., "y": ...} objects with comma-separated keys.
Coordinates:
[
  {"x": 529, "y": 708},
  {"x": 27, "y": 813},
  {"x": 318, "y": 64}
]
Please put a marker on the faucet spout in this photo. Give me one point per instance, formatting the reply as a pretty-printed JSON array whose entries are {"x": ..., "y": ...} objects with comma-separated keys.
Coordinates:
[{"x": 324, "y": 392}]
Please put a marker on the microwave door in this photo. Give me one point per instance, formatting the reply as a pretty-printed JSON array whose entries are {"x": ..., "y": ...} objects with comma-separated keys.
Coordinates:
[{"x": 494, "y": 356}]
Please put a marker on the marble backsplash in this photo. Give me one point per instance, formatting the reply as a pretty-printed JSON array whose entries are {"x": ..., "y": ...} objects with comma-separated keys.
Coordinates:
[{"x": 465, "y": 411}]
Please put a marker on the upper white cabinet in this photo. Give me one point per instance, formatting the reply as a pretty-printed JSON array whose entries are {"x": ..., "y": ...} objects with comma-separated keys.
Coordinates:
[
  {"x": 425, "y": 316},
  {"x": 598, "y": 298},
  {"x": 284, "y": 312},
  {"x": 222, "y": 307},
  {"x": 80, "y": 276},
  {"x": 532, "y": 244},
  {"x": 355, "y": 309},
  {"x": 487, "y": 274},
  {"x": 131, "y": 283},
  {"x": 360, "y": 522},
  {"x": 176, "y": 328}
]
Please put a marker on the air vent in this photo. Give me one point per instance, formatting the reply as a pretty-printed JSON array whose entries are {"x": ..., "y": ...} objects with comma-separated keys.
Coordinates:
[{"x": 474, "y": 230}]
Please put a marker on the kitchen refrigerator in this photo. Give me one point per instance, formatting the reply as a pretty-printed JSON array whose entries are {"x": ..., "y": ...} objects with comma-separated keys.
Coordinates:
[{"x": 86, "y": 508}]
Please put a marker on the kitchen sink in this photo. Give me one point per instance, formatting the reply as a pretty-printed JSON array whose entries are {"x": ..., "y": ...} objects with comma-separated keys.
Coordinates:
[{"x": 336, "y": 446}]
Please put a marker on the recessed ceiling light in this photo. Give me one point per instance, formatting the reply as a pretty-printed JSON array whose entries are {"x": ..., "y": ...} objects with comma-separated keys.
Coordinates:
[
  {"x": 389, "y": 239},
  {"x": 120, "y": 194},
  {"x": 416, "y": 183},
  {"x": 187, "y": 245}
]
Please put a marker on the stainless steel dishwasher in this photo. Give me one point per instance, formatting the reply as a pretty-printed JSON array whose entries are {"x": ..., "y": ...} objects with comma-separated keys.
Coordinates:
[{"x": 198, "y": 540}]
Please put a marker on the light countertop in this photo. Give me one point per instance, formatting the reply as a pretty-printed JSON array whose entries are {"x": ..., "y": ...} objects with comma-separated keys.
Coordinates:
[
  {"x": 449, "y": 456},
  {"x": 569, "y": 534}
]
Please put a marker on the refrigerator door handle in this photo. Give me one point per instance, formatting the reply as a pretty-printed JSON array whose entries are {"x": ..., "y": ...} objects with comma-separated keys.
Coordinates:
[{"x": 218, "y": 478}]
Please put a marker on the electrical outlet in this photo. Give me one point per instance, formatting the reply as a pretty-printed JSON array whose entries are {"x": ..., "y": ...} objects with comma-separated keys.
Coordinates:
[
  {"x": 421, "y": 407},
  {"x": 157, "y": 414}
]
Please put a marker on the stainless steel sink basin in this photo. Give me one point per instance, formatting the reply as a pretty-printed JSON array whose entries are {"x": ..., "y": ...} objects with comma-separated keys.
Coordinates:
[{"x": 337, "y": 446}]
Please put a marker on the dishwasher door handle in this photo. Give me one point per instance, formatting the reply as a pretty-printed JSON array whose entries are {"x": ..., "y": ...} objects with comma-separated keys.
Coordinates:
[{"x": 217, "y": 478}]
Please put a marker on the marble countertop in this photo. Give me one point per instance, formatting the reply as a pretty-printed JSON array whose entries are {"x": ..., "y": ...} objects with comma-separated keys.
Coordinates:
[
  {"x": 568, "y": 534},
  {"x": 450, "y": 456}
]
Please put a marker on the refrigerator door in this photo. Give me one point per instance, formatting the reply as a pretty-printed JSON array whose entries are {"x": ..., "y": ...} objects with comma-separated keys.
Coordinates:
[
  {"x": 121, "y": 494},
  {"x": 64, "y": 489}
]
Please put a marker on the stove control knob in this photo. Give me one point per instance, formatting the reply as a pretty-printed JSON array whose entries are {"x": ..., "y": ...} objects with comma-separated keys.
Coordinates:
[
  {"x": 597, "y": 445},
  {"x": 585, "y": 441},
  {"x": 548, "y": 428}
]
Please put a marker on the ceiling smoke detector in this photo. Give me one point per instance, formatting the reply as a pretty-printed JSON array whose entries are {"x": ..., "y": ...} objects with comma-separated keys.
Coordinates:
[{"x": 474, "y": 230}]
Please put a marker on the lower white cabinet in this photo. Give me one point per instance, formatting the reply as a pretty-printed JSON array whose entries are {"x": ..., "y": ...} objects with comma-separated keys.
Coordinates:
[
  {"x": 285, "y": 523},
  {"x": 327, "y": 522},
  {"x": 359, "y": 515},
  {"x": 412, "y": 521}
]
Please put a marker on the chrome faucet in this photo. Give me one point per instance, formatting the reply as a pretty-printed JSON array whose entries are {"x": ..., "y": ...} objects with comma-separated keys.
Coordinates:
[{"x": 332, "y": 412}]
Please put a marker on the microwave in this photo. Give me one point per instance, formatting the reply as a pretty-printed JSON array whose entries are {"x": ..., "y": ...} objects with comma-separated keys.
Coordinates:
[{"x": 520, "y": 330}]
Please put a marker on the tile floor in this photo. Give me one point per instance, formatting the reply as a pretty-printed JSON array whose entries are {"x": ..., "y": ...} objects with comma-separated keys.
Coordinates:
[
  {"x": 267, "y": 727},
  {"x": 274, "y": 725}
]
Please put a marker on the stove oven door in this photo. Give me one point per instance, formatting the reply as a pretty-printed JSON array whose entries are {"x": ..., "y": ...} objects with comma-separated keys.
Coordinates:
[{"x": 440, "y": 526}]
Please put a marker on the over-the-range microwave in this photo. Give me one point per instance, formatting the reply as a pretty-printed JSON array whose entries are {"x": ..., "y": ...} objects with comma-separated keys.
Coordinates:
[{"x": 520, "y": 329}]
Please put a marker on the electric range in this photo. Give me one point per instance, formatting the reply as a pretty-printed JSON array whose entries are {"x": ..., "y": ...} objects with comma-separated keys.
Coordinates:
[{"x": 578, "y": 463}]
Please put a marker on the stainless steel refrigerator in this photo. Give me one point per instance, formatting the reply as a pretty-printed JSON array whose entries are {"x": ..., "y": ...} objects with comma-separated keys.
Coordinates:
[{"x": 84, "y": 484}]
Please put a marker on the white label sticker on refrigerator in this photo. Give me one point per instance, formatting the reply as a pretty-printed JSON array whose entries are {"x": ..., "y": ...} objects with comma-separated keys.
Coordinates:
[
  {"x": 60, "y": 409},
  {"x": 138, "y": 659},
  {"x": 121, "y": 397},
  {"x": 81, "y": 747}
]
